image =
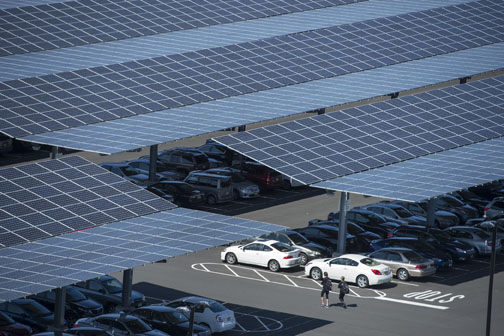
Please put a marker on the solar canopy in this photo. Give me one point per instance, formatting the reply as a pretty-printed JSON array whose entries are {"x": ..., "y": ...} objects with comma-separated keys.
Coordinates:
[
  {"x": 58, "y": 261},
  {"x": 183, "y": 41},
  {"x": 327, "y": 146},
  {"x": 427, "y": 176},
  {"x": 40, "y": 200},
  {"x": 71, "y": 99},
  {"x": 157, "y": 127},
  {"x": 71, "y": 23}
]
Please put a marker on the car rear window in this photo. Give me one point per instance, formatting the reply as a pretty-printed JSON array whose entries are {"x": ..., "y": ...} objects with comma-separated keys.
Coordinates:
[
  {"x": 217, "y": 307},
  {"x": 282, "y": 247},
  {"x": 369, "y": 262},
  {"x": 200, "y": 158},
  {"x": 413, "y": 256}
]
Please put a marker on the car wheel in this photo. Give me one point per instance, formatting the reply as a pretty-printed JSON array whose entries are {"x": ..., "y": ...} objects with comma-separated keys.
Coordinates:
[
  {"x": 362, "y": 281},
  {"x": 231, "y": 258},
  {"x": 316, "y": 273},
  {"x": 402, "y": 274},
  {"x": 236, "y": 195},
  {"x": 304, "y": 258},
  {"x": 273, "y": 266},
  {"x": 211, "y": 200}
]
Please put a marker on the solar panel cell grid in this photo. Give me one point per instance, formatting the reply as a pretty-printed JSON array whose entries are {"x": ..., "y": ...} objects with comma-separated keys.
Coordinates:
[
  {"x": 71, "y": 23},
  {"x": 65, "y": 195},
  {"x": 392, "y": 139},
  {"x": 162, "y": 91}
]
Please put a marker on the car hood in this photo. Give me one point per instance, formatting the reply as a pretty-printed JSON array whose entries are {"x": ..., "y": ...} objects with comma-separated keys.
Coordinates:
[
  {"x": 459, "y": 244},
  {"x": 134, "y": 295},
  {"x": 442, "y": 213},
  {"x": 87, "y": 304},
  {"x": 245, "y": 184}
]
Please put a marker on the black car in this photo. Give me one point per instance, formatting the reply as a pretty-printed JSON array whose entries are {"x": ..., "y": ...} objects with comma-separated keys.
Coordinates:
[
  {"x": 459, "y": 251},
  {"x": 397, "y": 213},
  {"x": 143, "y": 166},
  {"x": 456, "y": 206},
  {"x": 88, "y": 331},
  {"x": 308, "y": 250},
  {"x": 442, "y": 219},
  {"x": 471, "y": 198},
  {"x": 365, "y": 218},
  {"x": 9, "y": 327},
  {"x": 219, "y": 152},
  {"x": 107, "y": 290},
  {"x": 184, "y": 160},
  {"x": 183, "y": 193},
  {"x": 29, "y": 312},
  {"x": 77, "y": 304},
  {"x": 169, "y": 320},
  {"x": 441, "y": 259},
  {"x": 327, "y": 235},
  {"x": 120, "y": 324},
  {"x": 362, "y": 236}
]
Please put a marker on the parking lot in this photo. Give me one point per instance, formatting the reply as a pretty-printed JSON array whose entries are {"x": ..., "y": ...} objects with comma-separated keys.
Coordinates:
[{"x": 451, "y": 302}]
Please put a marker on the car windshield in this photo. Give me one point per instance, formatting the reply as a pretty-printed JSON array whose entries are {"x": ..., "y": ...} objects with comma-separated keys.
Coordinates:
[
  {"x": 403, "y": 212},
  {"x": 226, "y": 183},
  {"x": 217, "y": 307},
  {"x": 298, "y": 239},
  {"x": 112, "y": 285},
  {"x": 369, "y": 262},
  {"x": 282, "y": 247},
  {"x": 5, "y": 320},
  {"x": 36, "y": 309},
  {"x": 129, "y": 171},
  {"x": 376, "y": 219},
  {"x": 184, "y": 187},
  {"x": 74, "y": 295},
  {"x": 413, "y": 256},
  {"x": 138, "y": 326},
  {"x": 452, "y": 201},
  {"x": 174, "y": 317}
]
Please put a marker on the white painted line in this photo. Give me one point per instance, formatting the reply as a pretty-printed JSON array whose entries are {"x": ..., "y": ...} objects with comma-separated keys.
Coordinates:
[
  {"x": 229, "y": 268},
  {"x": 288, "y": 278},
  {"x": 262, "y": 276},
  {"x": 461, "y": 269},
  {"x": 481, "y": 261},
  {"x": 412, "y": 303},
  {"x": 239, "y": 325},
  {"x": 318, "y": 283},
  {"x": 260, "y": 321},
  {"x": 204, "y": 267},
  {"x": 404, "y": 283}
]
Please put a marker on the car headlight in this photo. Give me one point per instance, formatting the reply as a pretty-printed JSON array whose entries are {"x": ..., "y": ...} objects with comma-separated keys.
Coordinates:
[
  {"x": 459, "y": 250},
  {"x": 436, "y": 259},
  {"x": 316, "y": 253}
]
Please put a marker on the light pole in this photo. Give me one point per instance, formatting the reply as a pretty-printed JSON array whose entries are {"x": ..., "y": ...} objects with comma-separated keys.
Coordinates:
[{"x": 490, "y": 285}]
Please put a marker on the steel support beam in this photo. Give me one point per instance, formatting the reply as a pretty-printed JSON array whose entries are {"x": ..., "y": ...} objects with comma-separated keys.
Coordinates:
[
  {"x": 127, "y": 287},
  {"x": 153, "y": 163},
  {"x": 431, "y": 210},
  {"x": 59, "y": 310},
  {"x": 342, "y": 222}
]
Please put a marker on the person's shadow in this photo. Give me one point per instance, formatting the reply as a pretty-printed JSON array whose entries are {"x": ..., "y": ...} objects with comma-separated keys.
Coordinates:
[{"x": 339, "y": 304}]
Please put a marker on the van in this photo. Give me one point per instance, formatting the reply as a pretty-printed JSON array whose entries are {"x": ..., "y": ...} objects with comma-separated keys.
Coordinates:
[{"x": 217, "y": 188}]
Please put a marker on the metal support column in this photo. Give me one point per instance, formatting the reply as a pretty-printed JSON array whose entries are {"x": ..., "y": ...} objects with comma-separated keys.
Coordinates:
[
  {"x": 342, "y": 222},
  {"x": 59, "y": 310},
  {"x": 490, "y": 284},
  {"x": 431, "y": 210},
  {"x": 153, "y": 163},
  {"x": 54, "y": 153},
  {"x": 242, "y": 128},
  {"x": 127, "y": 287}
]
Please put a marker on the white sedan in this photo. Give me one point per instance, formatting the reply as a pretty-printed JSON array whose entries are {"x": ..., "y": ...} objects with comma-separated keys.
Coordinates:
[
  {"x": 356, "y": 268},
  {"x": 266, "y": 253}
]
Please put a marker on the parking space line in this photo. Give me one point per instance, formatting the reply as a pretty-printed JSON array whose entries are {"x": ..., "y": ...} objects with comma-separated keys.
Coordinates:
[
  {"x": 262, "y": 276},
  {"x": 412, "y": 303},
  {"x": 405, "y": 283},
  {"x": 461, "y": 269},
  {"x": 292, "y": 282},
  {"x": 261, "y": 322},
  {"x": 229, "y": 268}
]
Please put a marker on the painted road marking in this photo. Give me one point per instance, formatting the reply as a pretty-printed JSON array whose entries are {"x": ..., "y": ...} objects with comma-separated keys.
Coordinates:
[{"x": 379, "y": 295}]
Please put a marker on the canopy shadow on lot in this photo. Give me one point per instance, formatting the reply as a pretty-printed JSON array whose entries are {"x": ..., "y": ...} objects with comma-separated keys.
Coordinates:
[{"x": 253, "y": 320}]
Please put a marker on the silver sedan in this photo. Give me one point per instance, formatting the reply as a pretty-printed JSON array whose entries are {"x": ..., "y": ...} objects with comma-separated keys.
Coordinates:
[
  {"x": 477, "y": 238},
  {"x": 404, "y": 262}
]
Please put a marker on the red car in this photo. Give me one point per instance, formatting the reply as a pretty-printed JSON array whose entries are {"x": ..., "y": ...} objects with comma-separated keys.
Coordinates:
[{"x": 265, "y": 177}]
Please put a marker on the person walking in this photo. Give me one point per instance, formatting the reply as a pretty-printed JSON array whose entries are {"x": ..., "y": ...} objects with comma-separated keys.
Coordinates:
[
  {"x": 326, "y": 287},
  {"x": 343, "y": 289}
]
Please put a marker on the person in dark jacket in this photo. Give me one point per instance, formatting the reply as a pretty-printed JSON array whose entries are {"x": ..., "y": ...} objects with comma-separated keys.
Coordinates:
[
  {"x": 343, "y": 289},
  {"x": 326, "y": 287}
]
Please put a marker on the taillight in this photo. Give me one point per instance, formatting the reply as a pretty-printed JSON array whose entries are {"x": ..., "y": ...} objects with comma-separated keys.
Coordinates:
[
  {"x": 219, "y": 318},
  {"x": 288, "y": 257},
  {"x": 375, "y": 271},
  {"x": 421, "y": 266},
  {"x": 390, "y": 234},
  {"x": 488, "y": 243}
]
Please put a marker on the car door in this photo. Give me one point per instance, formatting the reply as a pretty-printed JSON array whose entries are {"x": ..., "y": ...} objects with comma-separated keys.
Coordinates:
[
  {"x": 250, "y": 253},
  {"x": 393, "y": 260}
]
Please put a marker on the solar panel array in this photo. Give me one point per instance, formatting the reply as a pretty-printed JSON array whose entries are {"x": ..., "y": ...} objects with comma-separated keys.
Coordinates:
[
  {"x": 49, "y": 198},
  {"x": 428, "y": 176},
  {"x": 58, "y": 101},
  {"x": 157, "y": 127},
  {"x": 72, "y": 23},
  {"x": 93, "y": 55},
  {"x": 323, "y": 147},
  {"x": 58, "y": 261}
]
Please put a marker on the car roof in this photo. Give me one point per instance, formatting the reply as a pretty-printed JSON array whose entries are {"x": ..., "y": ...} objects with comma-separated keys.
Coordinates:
[
  {"x": 396, "y": 249},
  {"x": 157, "y": 307},
  {"x": 402, "y": 238},
  {"x": 114, "y": 164},
  {"x": 198, "y": 173},
  {"x": 353, "y": 256},
  {"x": 194, "y": 299},
  {"x": 463, "y": 227}
]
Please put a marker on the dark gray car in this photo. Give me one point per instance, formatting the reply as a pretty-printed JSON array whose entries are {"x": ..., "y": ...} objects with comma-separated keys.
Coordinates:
[{"x": 477, "y": 238}]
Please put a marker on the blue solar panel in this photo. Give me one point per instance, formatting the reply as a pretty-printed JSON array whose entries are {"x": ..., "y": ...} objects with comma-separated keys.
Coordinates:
[
  {"x": 395, "y": 130},
  {"x": 428, "y": 176},
  {"x": 50, "y": 198},
  {"x": 163, "y": 92},
  {"x": 5, "y": 4},
  {"x": 71, "y": 23},
  {"x": 154, "y": 128},
  {"x": 58, "y": 261}
]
